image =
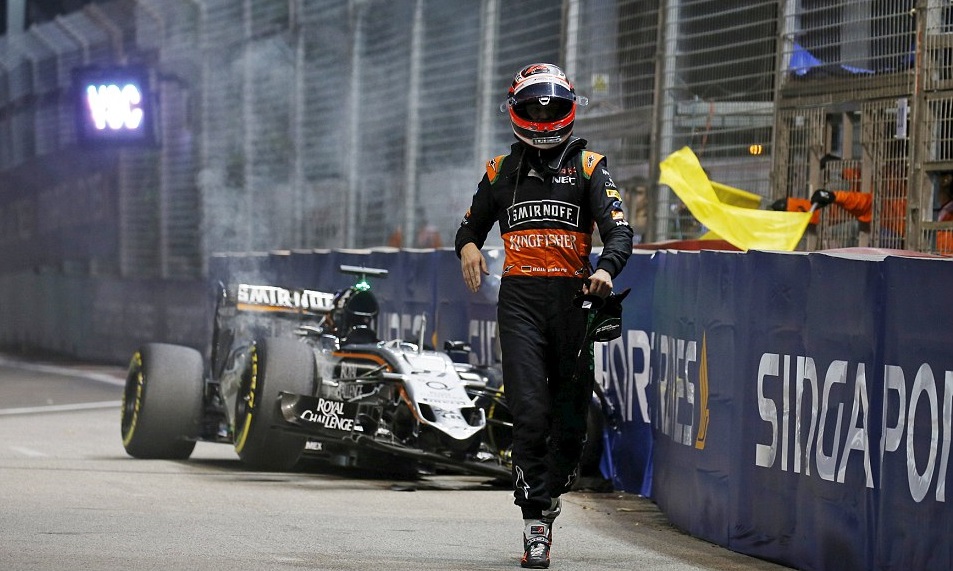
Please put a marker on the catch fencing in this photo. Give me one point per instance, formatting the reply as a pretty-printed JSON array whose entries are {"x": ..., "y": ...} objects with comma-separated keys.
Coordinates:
[
  {"x": 297, "y": 124},
  {"x": 362, "y": 123}
]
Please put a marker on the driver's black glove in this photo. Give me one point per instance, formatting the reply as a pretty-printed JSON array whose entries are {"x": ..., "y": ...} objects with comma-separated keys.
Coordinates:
[
  {"x": 822, "y": 198},
  {"x": 780, "y": 204}
]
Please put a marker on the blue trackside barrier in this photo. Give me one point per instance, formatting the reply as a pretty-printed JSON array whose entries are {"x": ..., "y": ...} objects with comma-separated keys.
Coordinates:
[
  {"x": 797, "y": 407},
  {"x": 801, "y": 406}
]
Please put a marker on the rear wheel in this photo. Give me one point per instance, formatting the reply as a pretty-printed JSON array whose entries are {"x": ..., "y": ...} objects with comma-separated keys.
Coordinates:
[
  {"x": 162, "y": 402},
  {"x": 275, "y": 365}
]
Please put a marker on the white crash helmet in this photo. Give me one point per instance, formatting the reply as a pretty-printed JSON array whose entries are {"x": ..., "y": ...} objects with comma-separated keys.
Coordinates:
[{"x": 542, "y": 105}]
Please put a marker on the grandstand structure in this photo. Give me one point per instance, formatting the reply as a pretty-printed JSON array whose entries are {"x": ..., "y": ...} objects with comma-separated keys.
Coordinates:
[{"x": 294, "y": 124}]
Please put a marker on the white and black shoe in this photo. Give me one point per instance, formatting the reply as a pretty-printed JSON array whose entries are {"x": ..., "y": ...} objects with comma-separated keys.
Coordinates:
[{"x": 537, "y": 539}]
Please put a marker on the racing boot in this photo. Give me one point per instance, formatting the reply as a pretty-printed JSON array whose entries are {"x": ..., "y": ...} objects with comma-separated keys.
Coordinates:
[
  {"x": 555, "y": 508},
  {"x": 537, "y": 539}
]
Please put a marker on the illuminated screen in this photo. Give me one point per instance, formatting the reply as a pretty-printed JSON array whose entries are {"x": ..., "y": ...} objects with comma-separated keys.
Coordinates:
[{"x": 114, "y": 105}]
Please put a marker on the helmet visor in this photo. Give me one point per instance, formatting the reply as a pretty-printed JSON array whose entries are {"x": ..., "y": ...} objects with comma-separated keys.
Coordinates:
[{"x": 543, "y": 103}]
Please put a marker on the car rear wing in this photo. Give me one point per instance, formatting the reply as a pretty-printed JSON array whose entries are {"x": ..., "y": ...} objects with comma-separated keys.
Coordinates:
[{"x": 266, "y": 298}]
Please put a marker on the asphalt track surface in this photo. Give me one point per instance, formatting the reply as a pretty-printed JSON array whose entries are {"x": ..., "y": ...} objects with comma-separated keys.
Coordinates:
[{"x": 70, "y": 498}]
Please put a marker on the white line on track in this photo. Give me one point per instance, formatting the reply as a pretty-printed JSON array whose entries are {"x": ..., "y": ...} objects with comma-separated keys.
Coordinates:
[
  {"x": 28, "y": 452},
  {"x": 60, "y": 408},
  {"x": 66, "y": 371}
]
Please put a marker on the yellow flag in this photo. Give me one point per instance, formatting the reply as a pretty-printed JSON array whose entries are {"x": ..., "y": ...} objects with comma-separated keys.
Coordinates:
[
  {"x": 744, "y": 228},
  {"x": 736, "y": 196}
]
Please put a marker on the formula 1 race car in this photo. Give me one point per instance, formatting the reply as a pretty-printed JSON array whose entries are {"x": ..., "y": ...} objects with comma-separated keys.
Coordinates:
[{"x": 298, "y": 373}]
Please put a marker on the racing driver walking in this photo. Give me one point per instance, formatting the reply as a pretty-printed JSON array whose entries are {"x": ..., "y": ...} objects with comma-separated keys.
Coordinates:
[{"x": 547, "y": 194}]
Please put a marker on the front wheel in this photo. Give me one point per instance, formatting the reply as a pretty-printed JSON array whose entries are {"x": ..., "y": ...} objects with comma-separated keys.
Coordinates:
[
  {"x": 275, "y": 365},
  {"x": 593, "y": 449},
  {"x": 162, "y": 402}
]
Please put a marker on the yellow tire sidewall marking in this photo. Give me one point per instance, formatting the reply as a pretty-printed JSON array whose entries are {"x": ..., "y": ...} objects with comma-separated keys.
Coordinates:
[
  {"x": 250, "y": 408},
  {"x": 135, "y": 368}
]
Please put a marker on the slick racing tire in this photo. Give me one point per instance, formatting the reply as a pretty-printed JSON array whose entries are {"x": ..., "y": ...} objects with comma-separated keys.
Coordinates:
[
  {"x": 592, "y": 451},
  {"x": 499, "y": 429},
  {"x": 275, "y": 365},
  {"x": 162, "y": 402}
]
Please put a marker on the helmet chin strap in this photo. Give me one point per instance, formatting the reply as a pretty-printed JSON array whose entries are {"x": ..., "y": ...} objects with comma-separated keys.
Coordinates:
[{"x": 550, "y": 161}]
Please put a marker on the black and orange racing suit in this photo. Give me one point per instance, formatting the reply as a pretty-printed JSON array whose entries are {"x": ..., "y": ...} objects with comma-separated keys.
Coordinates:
[{"x": 547, "y": 211}]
